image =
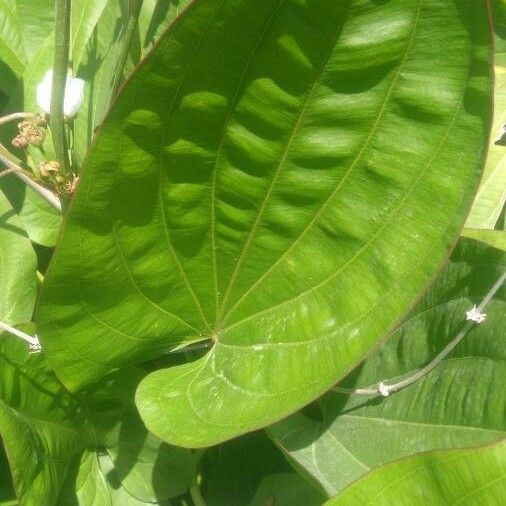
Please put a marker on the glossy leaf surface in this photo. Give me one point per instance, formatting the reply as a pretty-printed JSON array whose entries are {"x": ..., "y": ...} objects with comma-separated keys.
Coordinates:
[
  {"x": 460, "y": 403},
  {"x": 287, "y": 200},
  {"x": 465, "y": 477}
]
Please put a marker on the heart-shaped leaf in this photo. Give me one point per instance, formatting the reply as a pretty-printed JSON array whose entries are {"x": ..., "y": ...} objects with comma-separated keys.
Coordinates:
[
  {"x": 470, "y": 477},
  {"x": 460, "y": 403},
  {"x": 281, "y": 179}
]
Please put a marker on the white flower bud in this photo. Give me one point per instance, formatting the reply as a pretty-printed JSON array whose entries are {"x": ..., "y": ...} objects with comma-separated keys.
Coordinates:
[{"x": 74, "y": 94}]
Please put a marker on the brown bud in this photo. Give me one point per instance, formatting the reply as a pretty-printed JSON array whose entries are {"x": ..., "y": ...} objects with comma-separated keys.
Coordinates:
[
  {"x": 40, "y": 120},
  {"x": 35, "y": 137},
  {"x": 20, "y": 142},
  {"x": 26, "y": 128},
  {"x": 71, "y": 185},
  {"x": 48, "y": 169}
]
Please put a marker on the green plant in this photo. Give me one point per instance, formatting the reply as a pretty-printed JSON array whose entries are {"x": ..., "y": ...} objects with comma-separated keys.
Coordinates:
[{"x": 255, "y": 195}]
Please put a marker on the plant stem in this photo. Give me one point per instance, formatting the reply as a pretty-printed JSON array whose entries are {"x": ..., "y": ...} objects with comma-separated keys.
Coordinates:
[
  {"x": 44, "y": 192},
  {"x": 196, "y": 495},
  {"x": 15, "y": 116},
  {"x": 40, "y": 277},
  {"x": 133, "y": 10},
  {"x": 420, "y": 373},
  {"x": 60, "y": 68}
]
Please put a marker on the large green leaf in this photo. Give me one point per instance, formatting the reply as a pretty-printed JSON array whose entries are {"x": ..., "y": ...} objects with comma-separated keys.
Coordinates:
[
  {"x": 491, "y": 194},
  {"x": 17, "y": 267},
  {"x": 85, "y": 451},
  {"x": 460, "y": 403},
  {"x": 286, "y": 199},
  {"x": 466, "y": 477}
]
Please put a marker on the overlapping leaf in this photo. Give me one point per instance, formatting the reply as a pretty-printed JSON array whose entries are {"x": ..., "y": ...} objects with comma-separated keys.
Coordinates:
[
  {"x": 93, "y": 450},
  {"x": 491, "y": 194},
  {"x": 466, "y": 477},
  {"x": 460, "y": 403},
  {"x": 17, "y": 267},
  {"x": 11, "y": 47},
  {"x": 251, "y": 471},
  {"x": 281, "y": 178}
]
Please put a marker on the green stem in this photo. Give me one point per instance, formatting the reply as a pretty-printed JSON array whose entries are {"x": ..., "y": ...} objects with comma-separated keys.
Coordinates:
[
  {"x": 16, "y": 116},
  {"x": 60, "y": 68},
  {"x": 134, "y": 8},
  {"x": 198, "y": 500},
  {"x": 420, "y": 373},
  {"x": 195, "y": 493}
]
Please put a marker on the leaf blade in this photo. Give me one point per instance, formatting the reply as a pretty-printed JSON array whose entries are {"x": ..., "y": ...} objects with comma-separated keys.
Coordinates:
[{"x": 228, "y": 167}]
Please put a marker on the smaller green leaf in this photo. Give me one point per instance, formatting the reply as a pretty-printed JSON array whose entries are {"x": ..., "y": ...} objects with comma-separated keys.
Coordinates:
[
  {"x": 147, "y": 468},
  {"x": 7, "y": 494},
  {"x": 38, "y": 217},
  {"x": 40, "y": 424},
  {"x": 11, "y": 46},
  {"x": 37, "y": 22},
  {"x": 248, "y": 471},
  {"x": 85, "y": 16},
  {"x": 491, "y": 194},
  {"x": 67, "y": 450},
  {"x": 18, "y": 265},
  {"x": 464, "y": 477},
  {"x": 494, "y": 238},
  {"x": 287, "y": 489},
  {"x": 86, "y": 484},
  {"x": 155, "y": 16},
  {"x": 41, "y": 221},
  {"x": 96, "y": 66}
]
